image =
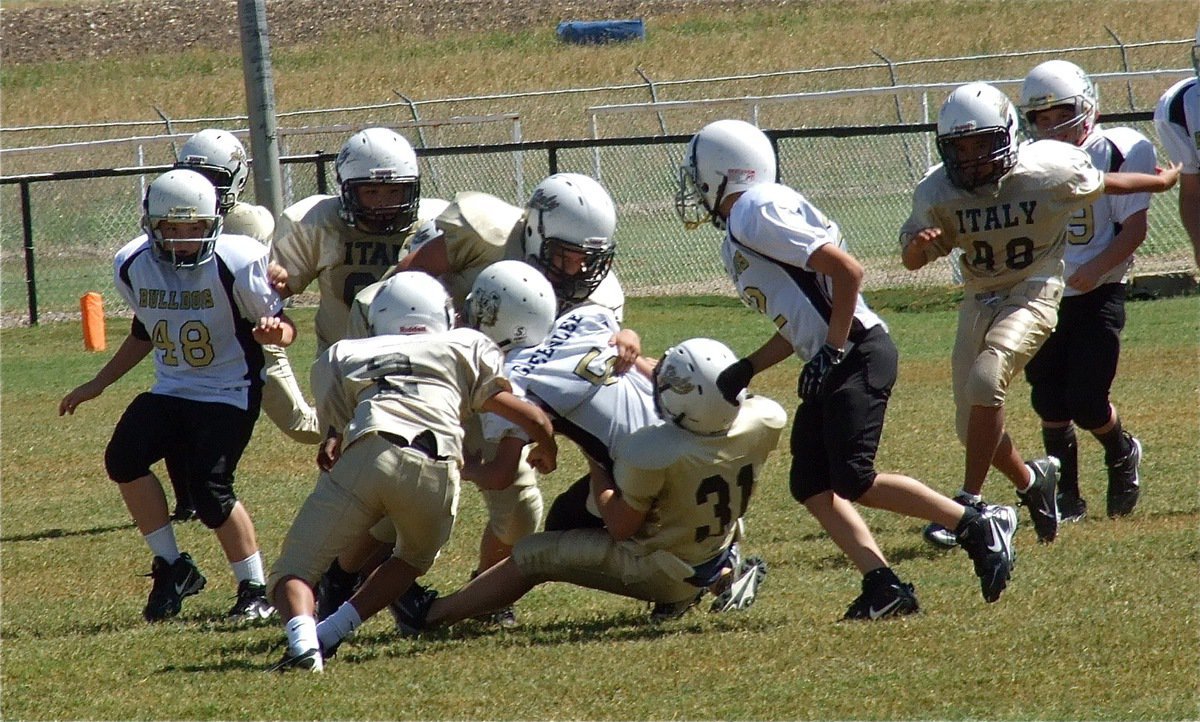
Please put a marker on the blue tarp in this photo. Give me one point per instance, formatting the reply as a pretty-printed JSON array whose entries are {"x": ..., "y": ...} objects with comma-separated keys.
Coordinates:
[{"x": 585, "y": 32}]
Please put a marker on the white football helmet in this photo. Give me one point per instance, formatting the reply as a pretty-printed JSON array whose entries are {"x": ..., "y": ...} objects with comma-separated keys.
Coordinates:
[
  {"x": 181, "y": 196},
  {"x": 977, "y": 110},
  {"x": 685, "y": 387},
  {"x": 373, "y": 156},
  {"x": 569, "y": 225},
  {"x": 1055, "y": 83},
  {"x": 220, "y": 157},
  {"x": 512, "y": 304},
  {"x": 726, "y": 156},
  {"x": 410, "y": 302}
]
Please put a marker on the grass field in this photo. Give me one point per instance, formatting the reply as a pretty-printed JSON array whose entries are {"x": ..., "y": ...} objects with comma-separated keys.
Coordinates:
[{"x": 1100, "y": 625}]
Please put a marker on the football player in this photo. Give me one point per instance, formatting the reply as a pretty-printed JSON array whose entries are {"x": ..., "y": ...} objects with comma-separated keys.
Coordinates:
[
  {"x": 568, "y": 227},
  {"x": 397, "y": 397},
  {"x": 1008, "y": 208},
  {"x": 789, "y": 262},
  {"x": 1177, "y": 120},
  {"x": 220, "y": 157},
  {"x": 203, "y": 305},
  {"x": 670, "y": 507},
  {"x": 1071, "y": 375}
]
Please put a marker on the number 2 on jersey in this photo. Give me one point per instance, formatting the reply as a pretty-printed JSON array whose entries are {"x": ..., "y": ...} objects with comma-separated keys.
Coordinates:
[{"x": 714, "y": 491}]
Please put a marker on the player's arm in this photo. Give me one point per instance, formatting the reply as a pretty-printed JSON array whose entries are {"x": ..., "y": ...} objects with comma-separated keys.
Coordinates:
[
  {"x": 621, "y": 519},
  {"x": 1133, "y": 232},
  {"x": 501, "y": 471},
  {"x": 847, "y": 275},
  {"x": 133, "y": 349},
  {"x": 1189, "y": 209},
  {"x": 1119, "y": 184},
  {"x": 913, "y": 252},
  {"x": 275, "y": 330},
  {"x": 629, "y": 349},
  {"x": 534, "y": 422},
  {"x": 738, "y": 374}
]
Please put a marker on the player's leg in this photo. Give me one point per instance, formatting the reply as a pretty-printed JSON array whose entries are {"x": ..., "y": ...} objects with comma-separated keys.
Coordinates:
[
  {"x": 1050, "y": 378},
  {"x": 283, "y": 402}
]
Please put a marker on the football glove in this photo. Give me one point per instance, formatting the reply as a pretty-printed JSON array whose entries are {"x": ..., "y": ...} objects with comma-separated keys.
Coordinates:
[
  {"x": 812, "y": 378},
  {"x": 734, "y": 379}
]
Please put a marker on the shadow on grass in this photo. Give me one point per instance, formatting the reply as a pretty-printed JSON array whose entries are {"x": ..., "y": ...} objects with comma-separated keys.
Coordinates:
[{"x": 65, "y": 533}]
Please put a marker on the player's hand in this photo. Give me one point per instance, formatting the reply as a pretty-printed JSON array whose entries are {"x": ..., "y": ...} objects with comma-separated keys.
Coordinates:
[
  {"x": 924, "y": 238},
  {"x": 81, "y": 393},
  {"x": 1169, "y": 175},
  {"x": 629, "y": 347},
  {"x": 269, "y": 330},
  {"x": 329, "y": 451},
  {"x": 277, "y": 276},
  {"x": 544, "y": 457},
  {"x": 812, "y": 378},
  {"x": 471, "y": 467},
  {"x": 734, "y": 379},
  {"x": 1084, "y": 279}
]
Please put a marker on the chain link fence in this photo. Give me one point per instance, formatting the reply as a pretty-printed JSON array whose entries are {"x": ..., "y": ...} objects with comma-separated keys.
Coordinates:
[{"x": 861, "y": 177}]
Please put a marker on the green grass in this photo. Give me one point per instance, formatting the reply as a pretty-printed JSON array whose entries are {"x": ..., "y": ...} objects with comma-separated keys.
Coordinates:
[{"x": 1100, "y": 625}]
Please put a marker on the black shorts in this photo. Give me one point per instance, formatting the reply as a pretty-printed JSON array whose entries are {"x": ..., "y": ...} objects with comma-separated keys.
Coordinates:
[
  {"x": 201, "y": 441},
  {"x": 835, "y": 437},
  {"x": 1073, "y": 371}
]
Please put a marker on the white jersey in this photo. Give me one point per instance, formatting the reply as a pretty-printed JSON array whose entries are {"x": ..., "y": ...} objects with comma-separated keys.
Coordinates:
[
  {"x": 570, "y": 376},
  {"x": 313, "y": 243},
  {"x": 200, "y": 319},
  {"x": 1012, "y": 230},
  {"x": 247, "y": 219},
  {"x": 1093, "y": 228},
  {"x": 1177, "y": 119},
  {"x": 772, "y": 231},
  {"x": 406, "y": 385},
  {"x": 694, "y": 488}
]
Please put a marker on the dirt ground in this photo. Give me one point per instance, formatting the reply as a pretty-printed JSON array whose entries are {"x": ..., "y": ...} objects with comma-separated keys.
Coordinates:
[{"x": 90, "y": 29}]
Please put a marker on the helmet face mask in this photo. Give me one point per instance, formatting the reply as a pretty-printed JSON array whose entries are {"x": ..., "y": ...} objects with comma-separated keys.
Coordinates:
[
  {"x": 725, "y": 157},
  {"x": 685, "y": 387},
  {"x": 379, "y": 182},
  {"x": 976, "y": 136},
  {"x": 1066, "y": 89},
  {"x": 410, "y": 302},
  {"x": 220, "y": 157},
  {"x": 512, "y": 304},
  {"x": 181, "y": 218},
  {"x": 569, "y": 224}
]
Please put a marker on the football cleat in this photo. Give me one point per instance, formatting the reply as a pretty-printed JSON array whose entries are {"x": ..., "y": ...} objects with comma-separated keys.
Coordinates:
[
  {"x": 184, "y": 511},
  {"x": 309, "y": 660},
  {"x": 1041, "y": 497},
  {"x": 883, "y": 600},
  {"x": 251, "y": 604},
  {"x": 1124, "y": 484},
  {"x": 988, "y": 540},
  {"x": 666, "y": 611},
  {"x": 1071, "y": 508},
  {"x": 172, "y": 582},
  {"x": 743, "y": 586},
  {"x": 411, "y": 609},
  {"x": 335, "y": 588}
]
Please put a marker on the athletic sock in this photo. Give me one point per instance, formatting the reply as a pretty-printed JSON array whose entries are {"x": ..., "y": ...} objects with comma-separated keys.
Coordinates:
[
  {"x": 1115, "y": 442},
  {"x": 337, "y": 626},
  {"x": 1060, "y": 442},
  {"x": 249, "y": 568},
  {"x": 162, "y": 543},
  {"x": 301, "y": 634}
]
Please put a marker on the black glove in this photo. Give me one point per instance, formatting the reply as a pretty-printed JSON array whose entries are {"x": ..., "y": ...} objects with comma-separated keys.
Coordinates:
[
  {"x": 734, "y": 379},
  {"x": 815, "y": 371}
]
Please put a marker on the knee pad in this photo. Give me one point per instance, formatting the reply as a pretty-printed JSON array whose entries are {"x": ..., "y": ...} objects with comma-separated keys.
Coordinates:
[
  {"x": 1089, "y": 410},
  {"x": 121, "y": 467},
  {"x": 214, "y": 501},
  {"x": 986, "y": 383},
  {"x": 514, "y": 513},
  {"x": 1049, "y": 402}
]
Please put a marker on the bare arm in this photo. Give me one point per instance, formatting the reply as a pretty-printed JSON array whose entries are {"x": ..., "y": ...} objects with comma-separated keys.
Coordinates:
[
  {"x": 431, "y": 257},
  {"x": 1133, "y": 232},
  {"x": 499, "y": 473},
  {"x": 847, "y": 274},
  {"x": 1119, "y": 184},
  {"x": 913, "y": 255},
  {"x": 543, "y": 456},
  {"x": 776, "y": 349},
  {"x": 629, "y": 349},
  {"x": 130, "y": 354},
  {"x": 621, "y": 520}
]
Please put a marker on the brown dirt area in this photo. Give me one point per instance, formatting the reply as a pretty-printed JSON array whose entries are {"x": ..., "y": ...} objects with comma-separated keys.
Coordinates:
[{"x": 92, "y": 29}]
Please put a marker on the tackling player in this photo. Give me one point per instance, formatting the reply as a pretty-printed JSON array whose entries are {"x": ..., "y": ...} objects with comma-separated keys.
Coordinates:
[
  {"x": 203, "y": 305},
  {"x": 1008, "y": 208},
  {"x": 397, "y": 399}
]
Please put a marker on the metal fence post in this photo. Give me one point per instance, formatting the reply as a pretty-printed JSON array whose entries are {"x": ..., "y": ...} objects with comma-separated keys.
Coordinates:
[
  {"x": 30, "y": 276},
  {"x": 1124, "y": 64}
]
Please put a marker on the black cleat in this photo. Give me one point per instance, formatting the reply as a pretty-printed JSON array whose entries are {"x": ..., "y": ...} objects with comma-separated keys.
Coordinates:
[
  {"x": 1124, "y": 484},
  {"x": 988, "y": 540},
  {"x": 172, "y": 582},
  {"x": 883, "y": 600},
  {"x": 184, "y": 511},
  {"x": 411, "y": 609},
  {"x": 1041, "y": 497},
  {"x": 941, "y": 537},
  {"x": 1071, "y": 508},
  {"x": 251, "y": 604}
]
